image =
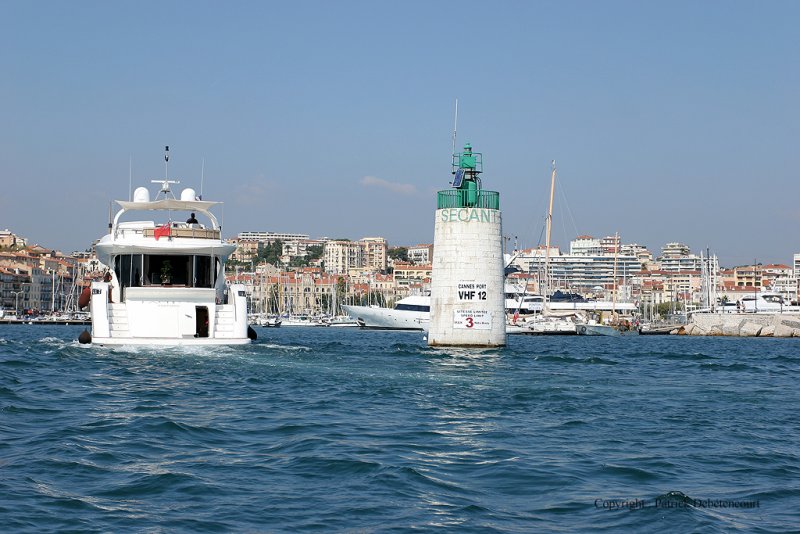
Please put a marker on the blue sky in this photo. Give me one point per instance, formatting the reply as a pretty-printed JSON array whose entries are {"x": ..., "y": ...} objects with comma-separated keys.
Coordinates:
[{"x": 671, "y": 121}]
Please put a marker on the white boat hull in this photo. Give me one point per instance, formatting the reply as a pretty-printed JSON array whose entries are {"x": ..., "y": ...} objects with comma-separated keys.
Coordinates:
[
  {"x": 169, "y": 317},
  {"x": 388, "y": 318},
  {"x": 164, "y": 342}
]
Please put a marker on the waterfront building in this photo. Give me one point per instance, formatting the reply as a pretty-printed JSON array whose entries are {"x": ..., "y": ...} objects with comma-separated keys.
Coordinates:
[
  {"x": 659, "y": 286},
  {"x": 408, "y": 274},
  {"x": 582, "y": 272},
  {"x": 585, "y": 245},
  {"x": 726, "y": 277},
  {"x": 246, "y": 249},
  {"x": 678, "y": 257},
  {"x": 675, "y": 250},
  {"x": 375, "y": 253},
  {"x": 47, "y": 278},
  {"x": 14, "y": 289},
  {"x": 10, "y": 240},
  {"x": 270, "y": 237},
  {"x": 341, "y": 256},
  {"x": 641, "y": 253},
  {"x": 771, "y": 271},
  {"x": 787, "y": 287},
  {"x": 420, "y": 254},
  {"x": 299, "y": 248},
  {"x": 748, "y": 276},
  {"x": 250, "y": 244},
  {"x": 610, "y": 244}
]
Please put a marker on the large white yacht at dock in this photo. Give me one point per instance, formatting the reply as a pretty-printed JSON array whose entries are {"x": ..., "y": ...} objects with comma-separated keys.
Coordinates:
[
  {"x": 166, "y": 283},
  {"x": 410, "y": 313}
]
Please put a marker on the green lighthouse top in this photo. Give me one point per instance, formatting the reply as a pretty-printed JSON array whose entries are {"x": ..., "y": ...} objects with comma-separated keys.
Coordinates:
[
  {"x": 468, "y": 160},
  {"x": 467, "y": 191}
]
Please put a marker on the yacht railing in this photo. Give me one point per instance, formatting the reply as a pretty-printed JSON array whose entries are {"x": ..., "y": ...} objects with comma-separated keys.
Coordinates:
[{"x": 196, "y": 233}]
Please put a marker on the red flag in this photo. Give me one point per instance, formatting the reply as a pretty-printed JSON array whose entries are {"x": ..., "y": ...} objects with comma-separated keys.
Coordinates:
[{"x": 161, "y": 231}]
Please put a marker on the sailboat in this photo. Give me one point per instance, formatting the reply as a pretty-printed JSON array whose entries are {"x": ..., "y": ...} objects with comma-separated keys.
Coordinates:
[
  {"x": 617, "y": 326},
  {"x": 548, "y": 321}
]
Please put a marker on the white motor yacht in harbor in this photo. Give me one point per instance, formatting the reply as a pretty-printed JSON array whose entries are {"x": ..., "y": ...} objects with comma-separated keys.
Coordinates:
[
  {"x": 414, "y": 312},
  {"x": 166, "y": 283},
  {"x": 767, "y": 302},
  {"x": 410, "y": 313}
]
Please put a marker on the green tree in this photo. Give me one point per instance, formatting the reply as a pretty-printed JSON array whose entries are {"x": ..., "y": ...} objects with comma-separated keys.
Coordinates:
[
  {"x": 399, "y": 253},
  {"x": 271, "y": 252},
  {"x": 298, "y": 261},
  {"x": 314, "y": 252}
]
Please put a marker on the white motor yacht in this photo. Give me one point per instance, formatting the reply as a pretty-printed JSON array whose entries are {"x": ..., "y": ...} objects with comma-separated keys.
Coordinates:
[
  {"x": 166, "y": 279},
  {"x": 767, "y": 302},
  {"x": 410, "y": 313}
]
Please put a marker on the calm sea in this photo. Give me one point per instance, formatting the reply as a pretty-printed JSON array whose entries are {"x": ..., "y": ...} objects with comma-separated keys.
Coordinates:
[{"x": 314, "y": 429}]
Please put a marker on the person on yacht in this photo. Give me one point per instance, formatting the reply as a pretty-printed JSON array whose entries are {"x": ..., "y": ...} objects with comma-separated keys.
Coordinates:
[{"x": 192, "y": 220}]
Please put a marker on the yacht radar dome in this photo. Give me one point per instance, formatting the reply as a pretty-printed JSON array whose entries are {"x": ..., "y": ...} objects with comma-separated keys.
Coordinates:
[
  {"x": 141, "y": 194},
  {"x": 188, "y": 194}
]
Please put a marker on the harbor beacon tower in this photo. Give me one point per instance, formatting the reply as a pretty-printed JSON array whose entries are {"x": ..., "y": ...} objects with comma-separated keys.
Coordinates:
[{"x": 467, "y": 286}]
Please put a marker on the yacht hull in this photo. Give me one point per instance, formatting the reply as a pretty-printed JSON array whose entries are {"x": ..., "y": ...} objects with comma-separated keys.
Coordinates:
[
  {"x": 604, "y": 330},
  {"x": 163, "y": 342},
  {"x": 388, "y": 318}
]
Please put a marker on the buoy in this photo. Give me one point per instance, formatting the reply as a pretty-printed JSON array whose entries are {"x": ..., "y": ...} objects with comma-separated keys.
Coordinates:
[
  {"x": 85, "y": 338},
  {"x": 251, "y": 333},
  {"x": 85, "y": 298}
]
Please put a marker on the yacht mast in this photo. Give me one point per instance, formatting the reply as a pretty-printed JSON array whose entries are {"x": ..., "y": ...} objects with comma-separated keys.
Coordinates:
[
  {"x": 549, "y": 228},
  {"x": 614, "y": 291}
]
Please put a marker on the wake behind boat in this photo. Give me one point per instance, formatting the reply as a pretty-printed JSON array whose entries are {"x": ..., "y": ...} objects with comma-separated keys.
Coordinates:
[{"x": 166, "y": 283}]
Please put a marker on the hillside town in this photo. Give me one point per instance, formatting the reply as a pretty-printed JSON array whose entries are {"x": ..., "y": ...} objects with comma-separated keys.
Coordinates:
[{"x": 290, "y": 273}]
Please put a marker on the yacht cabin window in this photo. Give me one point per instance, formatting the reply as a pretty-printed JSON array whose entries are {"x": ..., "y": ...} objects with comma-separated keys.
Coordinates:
[{"x": 177, "y": 270}]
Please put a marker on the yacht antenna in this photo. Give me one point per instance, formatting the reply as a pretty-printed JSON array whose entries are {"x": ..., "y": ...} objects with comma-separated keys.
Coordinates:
[
  {"x": 455, "y": 128},
  {"x": 166, "y": 181},
  {"x": 202, "y": 176},
  {"x": 130, "y": 177}
]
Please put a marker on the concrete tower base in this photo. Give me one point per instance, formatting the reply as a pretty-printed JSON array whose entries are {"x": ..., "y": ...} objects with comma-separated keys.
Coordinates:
[{"x": 467, "y": 285}]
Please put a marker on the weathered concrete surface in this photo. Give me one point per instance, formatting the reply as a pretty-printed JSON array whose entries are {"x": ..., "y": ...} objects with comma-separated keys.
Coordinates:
[
  {"x": 745, "y": 324},
  {"x": 750, "y": 329}
]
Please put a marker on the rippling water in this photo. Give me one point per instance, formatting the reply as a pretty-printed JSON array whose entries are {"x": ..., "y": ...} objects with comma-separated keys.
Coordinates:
[{"x": 339, "y": 429}]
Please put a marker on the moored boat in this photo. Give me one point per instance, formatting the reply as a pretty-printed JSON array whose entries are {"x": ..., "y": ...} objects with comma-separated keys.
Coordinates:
[
  {"x": 620, "y": 329},
  {"x": 410, "y": 313}
]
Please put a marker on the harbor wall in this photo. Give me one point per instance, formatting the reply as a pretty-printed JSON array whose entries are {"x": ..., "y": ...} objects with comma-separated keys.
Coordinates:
[
  {"x": 743, "y": 325},
  {"x": 467, "y": 286}
]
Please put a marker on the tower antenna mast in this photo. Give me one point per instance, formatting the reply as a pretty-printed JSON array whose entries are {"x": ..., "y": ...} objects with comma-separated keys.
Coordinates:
[{"x": 455, "y": 128}]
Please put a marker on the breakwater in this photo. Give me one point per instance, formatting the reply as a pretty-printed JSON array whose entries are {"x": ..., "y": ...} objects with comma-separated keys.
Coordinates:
[{"x": 743, "y": 325}]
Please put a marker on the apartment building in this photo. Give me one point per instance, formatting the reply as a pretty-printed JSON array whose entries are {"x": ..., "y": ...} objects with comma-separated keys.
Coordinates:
[
  {"x": 343, "y": 257},
  {"x": 407, "y": 274},
  {"x": 420, "y": 254}
]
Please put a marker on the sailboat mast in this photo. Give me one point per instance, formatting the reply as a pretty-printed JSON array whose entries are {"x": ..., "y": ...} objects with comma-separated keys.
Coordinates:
[
  {"x": 614, "y": 293},
  {"x": 549, "y": 228}
]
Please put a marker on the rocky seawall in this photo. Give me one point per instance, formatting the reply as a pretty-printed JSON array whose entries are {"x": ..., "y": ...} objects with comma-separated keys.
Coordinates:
[{"x": 742, "y": 325}]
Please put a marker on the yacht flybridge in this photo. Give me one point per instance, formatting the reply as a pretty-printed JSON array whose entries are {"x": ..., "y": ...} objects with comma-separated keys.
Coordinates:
[{"x": 166, "y": 280}]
